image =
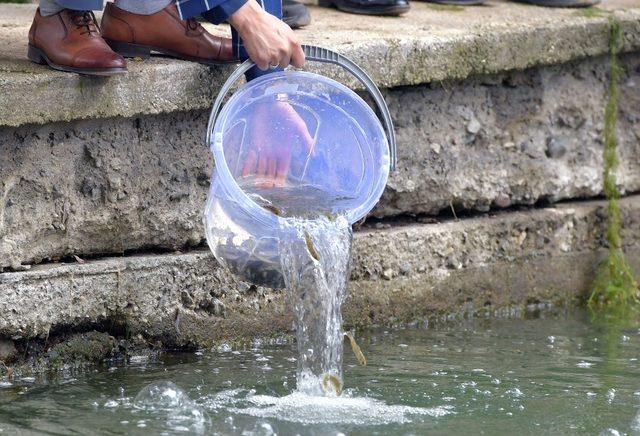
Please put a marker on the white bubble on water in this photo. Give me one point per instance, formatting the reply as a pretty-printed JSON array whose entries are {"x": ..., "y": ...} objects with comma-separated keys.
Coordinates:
[
  {"x": 635, "y": 424},
  {"x": 138, "y": 360},
  {"x": 169, "y": 398},
  {"x": 224, "y": 348},
  {"x": 515, "y": 392},
  {"x": 611, "y": 394},
  {"x": 111, "y": 404},
  {"x": 609, "y": 432},
  {"x": 5, "y": 384},
  {"x": 583, "y": 364}
]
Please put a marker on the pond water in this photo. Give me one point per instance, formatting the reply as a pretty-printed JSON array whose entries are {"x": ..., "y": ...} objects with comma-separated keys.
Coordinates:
[{"x": 565, "y": 374}]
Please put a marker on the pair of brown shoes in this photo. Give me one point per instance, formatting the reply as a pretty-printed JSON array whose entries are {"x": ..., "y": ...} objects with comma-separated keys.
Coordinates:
[{"x": 72, "y": 41}]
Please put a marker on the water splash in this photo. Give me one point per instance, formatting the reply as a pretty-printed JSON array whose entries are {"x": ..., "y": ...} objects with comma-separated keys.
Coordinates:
[
  {"x": 315, "y": 257},
  {"x": 347, "y": 410},
  {"x": 170, "y": 401}
]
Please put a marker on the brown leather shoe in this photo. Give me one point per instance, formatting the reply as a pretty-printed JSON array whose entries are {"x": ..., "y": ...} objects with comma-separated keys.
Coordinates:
[
  {"x": 71, "y": 41},
  {"x": 134, "y": 35}
]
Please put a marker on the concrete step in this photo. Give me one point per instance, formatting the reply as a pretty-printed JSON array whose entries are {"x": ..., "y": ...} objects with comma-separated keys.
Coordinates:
[
  {"x": 409, "y": 271},
  {"x": 117, "y": 184},
  {"x": 423, "y": 46},
  {"x": 494, "y": 106}
]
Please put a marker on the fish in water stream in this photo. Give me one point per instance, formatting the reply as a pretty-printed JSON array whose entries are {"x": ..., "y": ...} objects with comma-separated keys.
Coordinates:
[
  {"x": 332, "y": 384},
  {"x": 356, "y": 349},
  {"x": 312, "y": 249}
]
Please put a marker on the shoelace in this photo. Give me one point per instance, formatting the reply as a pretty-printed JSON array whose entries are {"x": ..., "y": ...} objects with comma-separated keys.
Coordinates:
[{"x": 85, "y": 19}]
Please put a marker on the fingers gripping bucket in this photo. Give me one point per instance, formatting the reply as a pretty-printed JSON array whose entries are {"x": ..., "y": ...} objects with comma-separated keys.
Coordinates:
[{"x": 291, "y": 143}]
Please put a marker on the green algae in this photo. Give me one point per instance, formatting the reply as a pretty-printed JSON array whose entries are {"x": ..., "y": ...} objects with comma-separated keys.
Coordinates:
[
  {"x": 91, "y": 347},
  {"x": 590, "y": 12},
  {"x": 614, "y": 284},
  {"x": 443, "y": 7}
]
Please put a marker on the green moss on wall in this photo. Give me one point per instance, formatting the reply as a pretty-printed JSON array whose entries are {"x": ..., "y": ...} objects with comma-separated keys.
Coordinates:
[{"x": 615, "y": 284}]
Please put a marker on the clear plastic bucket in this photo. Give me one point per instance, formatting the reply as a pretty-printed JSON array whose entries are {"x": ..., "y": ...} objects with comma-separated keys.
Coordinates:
[{"x": 291, "y": 144}]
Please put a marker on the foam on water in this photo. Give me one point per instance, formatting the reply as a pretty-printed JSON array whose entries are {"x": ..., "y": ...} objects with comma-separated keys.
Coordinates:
[{"x": 346, "y": 409}]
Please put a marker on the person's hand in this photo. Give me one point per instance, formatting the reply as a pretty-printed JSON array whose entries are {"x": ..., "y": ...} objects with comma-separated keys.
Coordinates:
[
  {"x": 275, "y": 131},
  {"x": 268, "y": 41}
]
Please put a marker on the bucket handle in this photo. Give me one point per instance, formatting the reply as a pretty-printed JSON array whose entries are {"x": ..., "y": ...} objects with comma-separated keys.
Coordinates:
[{"x": 318, "y": 54}]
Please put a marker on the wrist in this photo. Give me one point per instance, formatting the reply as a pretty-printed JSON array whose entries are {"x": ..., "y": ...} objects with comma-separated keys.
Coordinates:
[{"x": 245, "y": 16}]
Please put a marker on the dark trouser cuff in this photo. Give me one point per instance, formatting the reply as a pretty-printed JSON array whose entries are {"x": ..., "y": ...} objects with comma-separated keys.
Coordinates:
[{"x": 81, "y": 5}]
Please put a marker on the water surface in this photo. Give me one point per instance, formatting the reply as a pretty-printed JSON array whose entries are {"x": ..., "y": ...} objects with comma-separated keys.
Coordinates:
[{"x": 564, "y": 375}]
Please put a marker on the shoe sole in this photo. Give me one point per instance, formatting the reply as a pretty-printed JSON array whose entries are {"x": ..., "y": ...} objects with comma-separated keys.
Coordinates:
[
  {"x": 297, "y": 21},
  {"x": 131, "y": 50},
  {"x": 388, "y": 10},
  {"x": 39, "y": 57}
]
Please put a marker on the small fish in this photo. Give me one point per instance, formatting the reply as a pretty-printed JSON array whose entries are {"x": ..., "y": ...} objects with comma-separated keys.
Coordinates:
[
  {"x": 331, "y": 384},
  {"x": 356, "y": 349},
  {"x": 271, "y": 208},
  {"x": 312, "y": 249}
]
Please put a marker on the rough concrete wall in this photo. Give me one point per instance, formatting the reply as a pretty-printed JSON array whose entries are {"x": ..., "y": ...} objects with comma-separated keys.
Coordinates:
[
  {"x": 111, "y": 185},
  {"x": 406, "y": 272},
  {"x": 515, "y": 138}
]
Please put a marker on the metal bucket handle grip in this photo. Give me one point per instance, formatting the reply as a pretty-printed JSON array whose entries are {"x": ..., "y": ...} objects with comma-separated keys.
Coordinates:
[{"x": 324, "y": 55}]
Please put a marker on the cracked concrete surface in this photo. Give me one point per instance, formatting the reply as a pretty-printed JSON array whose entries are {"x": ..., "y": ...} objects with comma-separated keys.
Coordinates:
[{"x": 401, "y": 273}]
